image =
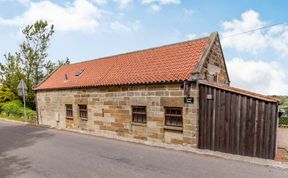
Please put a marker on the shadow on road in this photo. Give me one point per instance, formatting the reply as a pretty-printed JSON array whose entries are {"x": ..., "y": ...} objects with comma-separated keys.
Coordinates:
[{"x": 14, "y": 137}]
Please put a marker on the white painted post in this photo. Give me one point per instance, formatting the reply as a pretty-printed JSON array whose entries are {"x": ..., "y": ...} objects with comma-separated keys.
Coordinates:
[
  {"x": 23, "y": 94},
  {"x": 22, "y": 88}
]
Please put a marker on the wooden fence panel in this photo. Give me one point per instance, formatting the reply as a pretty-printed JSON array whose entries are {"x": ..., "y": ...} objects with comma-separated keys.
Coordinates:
[{"x": 235, "y": 123}]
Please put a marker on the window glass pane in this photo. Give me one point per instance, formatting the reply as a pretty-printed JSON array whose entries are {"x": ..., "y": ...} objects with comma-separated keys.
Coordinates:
[
  {"x": 173, "y": 117},
  {"x": 139, "y": 109},
  {"x": 168, "y": 111},
  {"x": 69, "y": 110},
  {"x": 83, "y": 111},
  {"x": 68, "y": 106},
  {"x": 139, "y": 114}
]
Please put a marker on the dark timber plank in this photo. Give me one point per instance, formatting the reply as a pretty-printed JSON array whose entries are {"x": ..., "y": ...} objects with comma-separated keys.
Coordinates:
[
  {"x": 236, "y": 123},
  {"x": 217, "y": 120},
  {"x": 227, "y": 114},
  {"x": 266, "y": 131},
  {"x": 222, "y": 122},
  {"x": 272, "y": 132}
]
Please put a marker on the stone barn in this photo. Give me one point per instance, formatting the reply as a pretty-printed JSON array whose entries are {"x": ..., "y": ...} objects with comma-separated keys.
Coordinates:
[{"x": 153, "y": 96}]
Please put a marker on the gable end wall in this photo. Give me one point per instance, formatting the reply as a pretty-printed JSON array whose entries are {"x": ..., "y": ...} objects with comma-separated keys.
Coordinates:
[{"x": 213, "y": 64}]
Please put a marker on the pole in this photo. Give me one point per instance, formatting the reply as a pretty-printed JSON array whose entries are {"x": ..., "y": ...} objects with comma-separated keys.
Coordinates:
[{"x": 23, "y": 93}]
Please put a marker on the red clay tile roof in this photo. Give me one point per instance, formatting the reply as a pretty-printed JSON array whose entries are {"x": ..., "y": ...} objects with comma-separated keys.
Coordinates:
[
  {"x": 168, "y": 63},
  {"x": 240, "y": 91}
]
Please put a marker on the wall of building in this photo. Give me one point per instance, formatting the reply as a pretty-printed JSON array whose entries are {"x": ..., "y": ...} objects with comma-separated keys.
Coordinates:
[
  {"x": 110, "y": 113},
  {"x": 214, "y": 68}
]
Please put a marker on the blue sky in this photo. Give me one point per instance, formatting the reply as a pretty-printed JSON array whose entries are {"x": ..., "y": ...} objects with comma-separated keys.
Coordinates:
[{"x": 88, "y": 29}]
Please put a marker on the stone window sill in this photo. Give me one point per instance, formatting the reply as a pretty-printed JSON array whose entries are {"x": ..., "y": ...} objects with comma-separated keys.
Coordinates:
[
  {"x": 173, "y": 128},
  {"x": 70, "y": 118},
  {"x": 84, "y": 119},
  {"x": 139, "y": 124}
]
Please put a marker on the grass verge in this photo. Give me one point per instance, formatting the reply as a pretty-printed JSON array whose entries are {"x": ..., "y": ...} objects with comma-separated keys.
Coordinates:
[{"x": 15, "y": 118}]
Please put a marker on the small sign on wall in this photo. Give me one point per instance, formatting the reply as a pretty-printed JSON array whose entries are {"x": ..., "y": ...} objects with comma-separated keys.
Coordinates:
[
  {"x": 209, "y": 97},
  {"x": 189, "y": 100}
]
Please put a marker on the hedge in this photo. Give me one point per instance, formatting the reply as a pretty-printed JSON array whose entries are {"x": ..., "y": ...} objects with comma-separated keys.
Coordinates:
[
  {"x": 15, "y": 108},
  {"x": 283, "y": 121}
]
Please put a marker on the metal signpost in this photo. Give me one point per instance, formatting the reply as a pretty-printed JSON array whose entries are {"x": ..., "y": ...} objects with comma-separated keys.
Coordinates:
[{"x": 22, "y": 91}]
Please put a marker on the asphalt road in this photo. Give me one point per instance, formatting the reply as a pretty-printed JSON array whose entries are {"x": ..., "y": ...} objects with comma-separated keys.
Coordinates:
[{"x": 27, "y": 151}]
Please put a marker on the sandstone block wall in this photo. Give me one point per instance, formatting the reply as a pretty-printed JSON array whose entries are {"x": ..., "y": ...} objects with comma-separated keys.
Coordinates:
[
  {"x": 215, "y": 63},
  {"x": 110, "y": 112}
]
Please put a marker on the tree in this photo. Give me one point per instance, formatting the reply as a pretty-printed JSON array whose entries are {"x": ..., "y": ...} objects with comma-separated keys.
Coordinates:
[
  {"x": 33, "y": 51},
  {"x": 6, "y": 94},
  {"x": 30, "y": 63},
  {"x": 51, "y": 66},
  {"x": 11, "y": 71}
]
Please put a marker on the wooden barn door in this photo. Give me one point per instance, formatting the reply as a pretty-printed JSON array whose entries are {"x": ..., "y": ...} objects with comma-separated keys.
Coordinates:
[{"x": 238, "y": 124}]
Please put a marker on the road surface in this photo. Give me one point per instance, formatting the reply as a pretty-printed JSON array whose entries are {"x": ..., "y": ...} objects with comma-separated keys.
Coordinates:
[{"x": 27, "y": 151}]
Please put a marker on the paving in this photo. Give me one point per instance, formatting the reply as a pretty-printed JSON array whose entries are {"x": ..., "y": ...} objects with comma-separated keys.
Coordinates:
[
  {"x": 282, "y": 138},
  {"x": 28, "y": 151}
]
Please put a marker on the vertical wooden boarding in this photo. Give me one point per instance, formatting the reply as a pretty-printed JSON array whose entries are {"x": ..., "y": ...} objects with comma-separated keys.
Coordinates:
[
  {"x": 248, "y": 129},
  {"x": 227, "y": 120},
  {"x": 260, "y": 128},
  {"x": 217, "y": 119},
  {"x": 272, "y": 133},
  {"x": 222, "y": 121},
  {"x": 208, "y": 123},
  {"x": 205, "y": 131},
  {"x": 267, "y": 130},
  {"x": 275, "y": 129},
  {"x": 255, "y": 128},
  {"x": 243, "y": 126},
  {"x": 201, "y": 116},
  {"x": 232, "y": 139},
  {"x": 214, "y": 118},
  {"x": 236, "y": 123}
]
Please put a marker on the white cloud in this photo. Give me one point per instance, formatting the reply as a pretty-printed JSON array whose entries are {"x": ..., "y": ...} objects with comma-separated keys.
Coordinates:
[
  {"x": 123, "y": 3},
  {"x": 155, "y": 5},
  {"x": 25, "y": 2},
  {"x": 258, "y": 76},
  {"x": 155, "y": 8},
  {"x": 161, "y": 1},
  {"x": 129, "y": 27},
  {"x": 100, "y": 2},
  {"x": 188, "y": 12},
  {"x": 191, "y": 36},
  {"x": 80, "y": 15},
  {"x": 257, "y": 41},
  {"x": 119, "y": 27}
]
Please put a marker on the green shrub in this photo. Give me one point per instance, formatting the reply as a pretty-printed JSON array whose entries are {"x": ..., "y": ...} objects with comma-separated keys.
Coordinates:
[
  {"x": 283, "y": 121},
  {"x": 6, "y": 95},
  {"x": 31, "y": 114},
  {"x": 15, "y": 108}
]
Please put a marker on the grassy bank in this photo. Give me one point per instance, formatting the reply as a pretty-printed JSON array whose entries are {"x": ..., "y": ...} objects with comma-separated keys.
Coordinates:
[
  {"x": 22, "y": 119},
  {"x": 13, "y": 110}
]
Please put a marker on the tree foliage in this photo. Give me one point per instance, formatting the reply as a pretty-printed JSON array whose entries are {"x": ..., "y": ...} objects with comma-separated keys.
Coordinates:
[
  {"x": 33, "y": 51},
  {"x": 29, "y": 62},
  {"x": 6, "y": 94},
  {"x": 11, "y": 71}
]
